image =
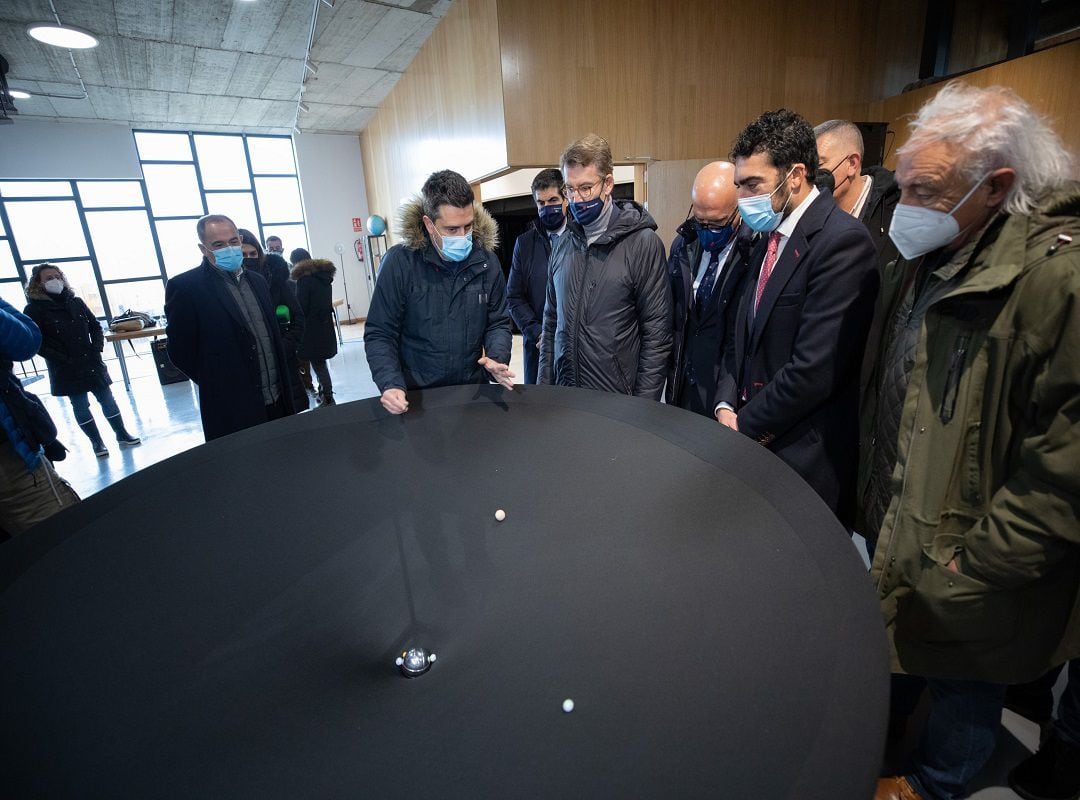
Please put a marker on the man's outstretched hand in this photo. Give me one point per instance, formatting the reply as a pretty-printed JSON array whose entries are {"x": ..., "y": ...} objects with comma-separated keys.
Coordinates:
[{"x": 500, "y": 372}]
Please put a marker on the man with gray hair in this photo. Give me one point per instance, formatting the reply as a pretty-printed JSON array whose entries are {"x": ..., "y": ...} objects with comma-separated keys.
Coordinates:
[
  {"x": 968, "y": 474},
  {"x": 869, "y": 194},
  {"x": 223, "y": 334},
  {"x": 607, "y": 318}
]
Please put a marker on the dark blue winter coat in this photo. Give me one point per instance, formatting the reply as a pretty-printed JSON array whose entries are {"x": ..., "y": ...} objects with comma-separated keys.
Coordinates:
[
  {"x": 526, "y": 288},
  {"x": 429, "y": 324}
]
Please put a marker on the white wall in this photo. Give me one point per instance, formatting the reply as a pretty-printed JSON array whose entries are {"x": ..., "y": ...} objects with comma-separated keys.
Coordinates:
[
  {"x": 35, "y": 149},
  {"x": 519, "y": 182},
  {"x": 332, "y": 185}
]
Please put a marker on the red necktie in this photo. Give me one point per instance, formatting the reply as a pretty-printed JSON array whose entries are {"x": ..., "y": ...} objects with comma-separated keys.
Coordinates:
[{"x": 767, "y": 267}]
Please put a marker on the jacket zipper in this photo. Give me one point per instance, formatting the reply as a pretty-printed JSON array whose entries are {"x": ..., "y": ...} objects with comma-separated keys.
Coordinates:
[
  {"x": 621, "y": 374},
  {"x": 577, "y": 319},
  {"x": 952, "y": 380}
]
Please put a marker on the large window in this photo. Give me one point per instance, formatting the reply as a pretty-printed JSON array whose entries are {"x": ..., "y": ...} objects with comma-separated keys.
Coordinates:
[
  {"x": 119, "y": 241},
  {"x": 250, "y": 179}
]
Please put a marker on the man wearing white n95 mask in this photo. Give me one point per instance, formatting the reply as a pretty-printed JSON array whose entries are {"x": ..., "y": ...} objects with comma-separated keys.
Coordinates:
[{"x": 969, "y": 445}]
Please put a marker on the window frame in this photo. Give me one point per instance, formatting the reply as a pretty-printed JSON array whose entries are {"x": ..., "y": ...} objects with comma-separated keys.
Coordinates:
[{"x": 23, "y": 273}]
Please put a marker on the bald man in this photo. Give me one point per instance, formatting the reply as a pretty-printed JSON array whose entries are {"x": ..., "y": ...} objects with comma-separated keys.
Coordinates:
[
  {"x": 870, "y": 195},
  {"x": 707, "y": 267}
]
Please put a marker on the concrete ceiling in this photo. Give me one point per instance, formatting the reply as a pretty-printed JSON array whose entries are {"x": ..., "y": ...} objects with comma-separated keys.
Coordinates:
[{"x": 214, "y": 65}]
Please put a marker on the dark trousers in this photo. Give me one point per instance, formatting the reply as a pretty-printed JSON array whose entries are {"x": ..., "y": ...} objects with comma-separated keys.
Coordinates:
[
  {"x": 1068, "y": 717},
  {"x": 80, "y": 404},
  {"x": 959, "y": 737},
  {"x": 532, "y": 359},
  {"x": 305, "y": 374},
  {"x": 326, "y": 385},
  {"x": 690, "y": 398}
]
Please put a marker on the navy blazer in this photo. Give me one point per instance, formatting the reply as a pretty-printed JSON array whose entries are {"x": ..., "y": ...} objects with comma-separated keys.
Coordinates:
[
  {"x": 526, "y": 286},
  {"x": 700, "y": 334},
  {"x": 210, "y": 342},
  {"x": 791, "y": 371}
]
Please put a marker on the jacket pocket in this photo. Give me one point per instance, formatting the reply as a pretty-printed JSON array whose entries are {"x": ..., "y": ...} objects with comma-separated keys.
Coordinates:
[
  {"x": 952, "y": 379},
  {"x": 949, "y": 607}
]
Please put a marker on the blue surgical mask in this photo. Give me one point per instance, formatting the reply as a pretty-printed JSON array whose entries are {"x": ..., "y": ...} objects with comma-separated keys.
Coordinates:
[
  {"x": 588, "y": 211},
  {"x": 228, "y": 258},
  {"x": 552, "y": 217},
  {"x": 456, "y": 248},
  {"x": 711, "y": 240},
  {"x": 757, "y": 211}
]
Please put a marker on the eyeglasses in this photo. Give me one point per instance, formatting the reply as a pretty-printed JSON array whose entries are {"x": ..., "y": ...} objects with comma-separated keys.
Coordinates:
[
  {"x": 583, "y": 192},
  {"x": 715, "y": 227}
]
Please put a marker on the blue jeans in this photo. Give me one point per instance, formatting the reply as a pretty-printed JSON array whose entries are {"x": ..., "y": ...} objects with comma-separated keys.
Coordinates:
[
  {"x": 959, "y": 737},
  {"x": 1067, "y": 723},
  {"x": 80, "y": 404}
]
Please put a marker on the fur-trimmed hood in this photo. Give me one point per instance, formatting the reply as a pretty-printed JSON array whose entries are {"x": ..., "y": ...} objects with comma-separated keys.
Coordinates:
[
  {"x": 313, "y": 266},
  {"x": 410, "y": 224},
  {"x": 36, "y": 291}
]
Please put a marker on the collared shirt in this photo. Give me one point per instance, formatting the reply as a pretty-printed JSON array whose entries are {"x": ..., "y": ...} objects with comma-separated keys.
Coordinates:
[
  {"x": 860, "y": 204},
  {"x": 787, "y": 227},
  {"x": 703, "y": 264},
  {"x": 557, "y": 233}
]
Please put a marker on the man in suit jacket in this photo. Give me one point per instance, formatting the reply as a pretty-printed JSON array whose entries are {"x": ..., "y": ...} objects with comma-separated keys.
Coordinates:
[
  {"x": 707, "y": 267},
  {"x": 224, "y": 336},
  {"x": 526, "y": 288},
  {"x": 790, "y": 375}
]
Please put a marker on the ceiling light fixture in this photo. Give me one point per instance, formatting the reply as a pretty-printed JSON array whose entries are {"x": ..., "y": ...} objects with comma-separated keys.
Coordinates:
[
  {"x": 19, "y": 94},
  {"x": 62, "y": 36}
]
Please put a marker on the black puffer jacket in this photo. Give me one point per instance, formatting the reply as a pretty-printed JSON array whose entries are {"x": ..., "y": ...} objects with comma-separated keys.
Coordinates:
[
  {"x": 313, "y": 278},
  {"x": 608, "y": 318},
  {"x": 878, "y": 212},
  {"x": 428, "y": 324},
  {"x": 71, "y": 341}
]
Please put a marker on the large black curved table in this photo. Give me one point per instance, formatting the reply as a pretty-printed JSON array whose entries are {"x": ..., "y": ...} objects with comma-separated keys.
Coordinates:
[{"x": 226, "y": 623}]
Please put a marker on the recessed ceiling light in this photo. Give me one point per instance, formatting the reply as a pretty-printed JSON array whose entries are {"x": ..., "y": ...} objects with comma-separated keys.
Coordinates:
[
  {"x": 19, "y": 94},
  {"x": 62, "y": 36}
]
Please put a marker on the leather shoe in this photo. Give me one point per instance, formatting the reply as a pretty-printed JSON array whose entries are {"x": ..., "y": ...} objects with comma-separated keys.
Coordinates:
[{"x": 896, "y": 788}]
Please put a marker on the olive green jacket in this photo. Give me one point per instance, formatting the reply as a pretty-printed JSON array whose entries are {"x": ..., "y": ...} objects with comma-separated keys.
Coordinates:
[{"x": 988, "y": 470}]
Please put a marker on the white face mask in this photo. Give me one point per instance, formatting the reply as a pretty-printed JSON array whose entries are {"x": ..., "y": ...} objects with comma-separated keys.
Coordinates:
[
  {"x": 917, "y": 231},
  {"x": 54, "y": 286}
]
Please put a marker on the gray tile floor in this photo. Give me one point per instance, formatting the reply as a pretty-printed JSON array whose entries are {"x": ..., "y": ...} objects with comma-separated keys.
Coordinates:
[{"x": 167, "y": 419}]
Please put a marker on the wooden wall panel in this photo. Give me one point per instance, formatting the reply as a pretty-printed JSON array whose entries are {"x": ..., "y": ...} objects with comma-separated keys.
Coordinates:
[
  {"x": 670, "y": 183},
  {"x": 1045, "y": 79},
  {"x": 446, "y": 112},
  {"x": 677, "y": 81}
]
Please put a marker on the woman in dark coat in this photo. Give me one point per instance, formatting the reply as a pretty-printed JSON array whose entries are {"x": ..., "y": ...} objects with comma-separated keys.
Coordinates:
[
  {"x": 289, "y": 314},
  {"x": 313, "y": 277},
  {"x": 71, "y": 344}
]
